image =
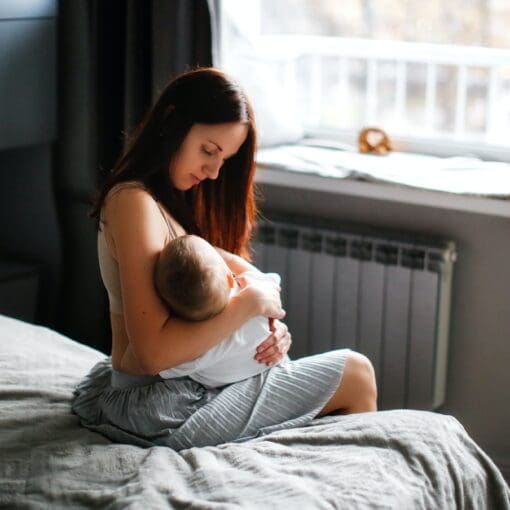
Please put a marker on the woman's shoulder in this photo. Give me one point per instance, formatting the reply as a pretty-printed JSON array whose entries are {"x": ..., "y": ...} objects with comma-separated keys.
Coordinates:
[
  {"x": 131, "y": 201},
  {"x": 127, "y": 200}
]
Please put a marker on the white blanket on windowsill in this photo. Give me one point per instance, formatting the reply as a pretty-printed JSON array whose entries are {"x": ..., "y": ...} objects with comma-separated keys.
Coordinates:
[{"x": 461, "y": 175}]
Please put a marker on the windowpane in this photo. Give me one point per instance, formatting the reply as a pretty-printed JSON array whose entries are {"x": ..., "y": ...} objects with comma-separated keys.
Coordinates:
[
  {"x": 431, "y": 71},
  {"x": 415, "y": 105},
  {"x": 477, "y": 93},
  {"x": 446, "y": 89},
  {"x": 460, "y": 22},
  {"x": 387, "y": 99}
]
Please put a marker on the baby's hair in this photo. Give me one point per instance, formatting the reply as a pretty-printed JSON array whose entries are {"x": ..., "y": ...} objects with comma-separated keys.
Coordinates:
[{"x": 190, "y": 288}]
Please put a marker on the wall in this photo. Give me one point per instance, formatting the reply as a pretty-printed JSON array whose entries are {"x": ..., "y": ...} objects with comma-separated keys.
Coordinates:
[
  {"x": 30, "y": 232},
  {"x": 478, "y": 368}
]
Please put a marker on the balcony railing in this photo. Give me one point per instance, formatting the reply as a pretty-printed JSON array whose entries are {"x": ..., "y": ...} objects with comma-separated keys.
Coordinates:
[{"x": 435, "y": 91}]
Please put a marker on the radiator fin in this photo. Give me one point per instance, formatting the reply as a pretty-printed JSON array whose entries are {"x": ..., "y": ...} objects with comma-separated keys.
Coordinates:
[{"x": 393, "y": 381}]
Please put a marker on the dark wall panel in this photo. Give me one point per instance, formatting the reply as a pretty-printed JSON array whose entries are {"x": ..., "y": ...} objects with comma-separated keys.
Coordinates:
[
  {"x": 10, "y": 9},
  {"x": 29, "y": 231},
  {"x": 27, "y": 81}
]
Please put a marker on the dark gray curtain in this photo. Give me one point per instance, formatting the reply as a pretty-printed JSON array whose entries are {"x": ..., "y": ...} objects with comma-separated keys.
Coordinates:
[{"x": 115, "y": 57}]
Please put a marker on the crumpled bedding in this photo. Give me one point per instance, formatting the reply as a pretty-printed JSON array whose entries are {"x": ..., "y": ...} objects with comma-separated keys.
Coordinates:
[{"x": 393, "y": 459}]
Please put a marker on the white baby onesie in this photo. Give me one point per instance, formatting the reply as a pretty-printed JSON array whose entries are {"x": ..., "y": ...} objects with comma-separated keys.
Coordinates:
[{"x": 232, "y": 359}]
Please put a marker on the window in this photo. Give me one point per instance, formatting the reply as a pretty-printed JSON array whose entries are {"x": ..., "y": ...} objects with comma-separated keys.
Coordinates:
[{"x": 435, "y": 75}]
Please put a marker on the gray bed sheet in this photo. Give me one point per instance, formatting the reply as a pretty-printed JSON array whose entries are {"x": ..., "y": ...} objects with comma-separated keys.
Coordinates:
[{"x": 393, "y": 459}]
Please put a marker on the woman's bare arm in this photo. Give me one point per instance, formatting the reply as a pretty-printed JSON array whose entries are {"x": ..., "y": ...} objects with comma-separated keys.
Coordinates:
[{"x": 159, "y": 341}]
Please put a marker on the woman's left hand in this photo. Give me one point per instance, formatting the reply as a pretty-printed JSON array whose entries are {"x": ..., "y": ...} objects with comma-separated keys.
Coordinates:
[{"x": 276, "y": 346}]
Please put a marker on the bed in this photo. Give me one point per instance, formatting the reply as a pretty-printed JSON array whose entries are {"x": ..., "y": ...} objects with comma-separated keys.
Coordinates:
[{"x": 392, "y": 459}]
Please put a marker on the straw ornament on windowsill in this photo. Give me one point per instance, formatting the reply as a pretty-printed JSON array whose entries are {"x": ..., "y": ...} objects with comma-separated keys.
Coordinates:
[{"x": 373, "y": 140}]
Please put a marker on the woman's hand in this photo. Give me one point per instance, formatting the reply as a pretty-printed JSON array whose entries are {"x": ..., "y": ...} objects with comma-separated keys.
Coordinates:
[
  {"x": 264, "y": 299},
  {"x": 275, "y": 347}
]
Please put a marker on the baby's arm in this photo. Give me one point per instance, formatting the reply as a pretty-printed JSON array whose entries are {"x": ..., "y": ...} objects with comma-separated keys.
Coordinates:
[
  {"x": 203, "y": 362},
  {"x": 235, "y": 263}
]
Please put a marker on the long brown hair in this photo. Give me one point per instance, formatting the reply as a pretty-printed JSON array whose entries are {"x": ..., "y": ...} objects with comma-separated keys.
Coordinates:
[{"x": 221, "y": 211}]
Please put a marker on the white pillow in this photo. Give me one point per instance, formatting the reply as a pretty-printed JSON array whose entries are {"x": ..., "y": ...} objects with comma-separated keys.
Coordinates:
[
  {"x": 276, "y": 117},
  {"x": 275, "y": 114}
]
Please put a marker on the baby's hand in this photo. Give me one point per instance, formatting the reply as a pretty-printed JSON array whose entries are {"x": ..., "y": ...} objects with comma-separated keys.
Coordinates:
[{"x": 265, "y": 299}]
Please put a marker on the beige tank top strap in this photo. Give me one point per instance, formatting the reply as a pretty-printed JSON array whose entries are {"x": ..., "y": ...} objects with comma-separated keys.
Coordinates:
[
  {"x": 171, "y": 230},
  {"x": 127, "y": 184}
]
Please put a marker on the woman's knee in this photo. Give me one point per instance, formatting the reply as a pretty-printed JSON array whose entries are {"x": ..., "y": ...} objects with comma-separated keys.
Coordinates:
[
  {"x": 357, "y": 391},
  {"x": 359, "y": 376}
]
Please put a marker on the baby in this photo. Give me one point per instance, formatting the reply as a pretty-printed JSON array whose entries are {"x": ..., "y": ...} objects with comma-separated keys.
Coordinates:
[{"x": 194, "y": 281}]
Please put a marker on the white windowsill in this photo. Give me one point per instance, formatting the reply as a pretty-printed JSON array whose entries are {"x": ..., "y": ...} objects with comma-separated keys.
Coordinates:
[{"x": 386, "y": 192}]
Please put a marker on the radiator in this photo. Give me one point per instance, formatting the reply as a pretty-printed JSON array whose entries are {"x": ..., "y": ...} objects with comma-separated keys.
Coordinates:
[{"x": 384, "y": 295}]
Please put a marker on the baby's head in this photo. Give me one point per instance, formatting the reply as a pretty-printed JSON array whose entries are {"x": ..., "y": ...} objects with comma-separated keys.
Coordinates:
[{"x": 192, "y": 278}]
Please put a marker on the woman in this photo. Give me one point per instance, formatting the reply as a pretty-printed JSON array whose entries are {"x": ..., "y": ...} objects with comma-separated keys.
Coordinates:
[{"x": 189, "y": 169}]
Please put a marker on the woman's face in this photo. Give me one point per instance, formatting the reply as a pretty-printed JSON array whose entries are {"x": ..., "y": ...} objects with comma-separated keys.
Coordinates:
[{"x": 203, "y": 151}]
